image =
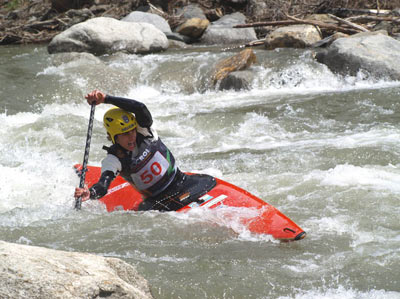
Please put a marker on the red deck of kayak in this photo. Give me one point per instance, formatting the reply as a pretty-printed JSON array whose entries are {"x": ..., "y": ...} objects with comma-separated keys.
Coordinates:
[{"x": 268, "y": 220}]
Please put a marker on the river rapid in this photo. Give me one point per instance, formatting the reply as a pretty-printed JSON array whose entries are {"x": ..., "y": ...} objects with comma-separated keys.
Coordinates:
[{"x": 322, "y": 148}]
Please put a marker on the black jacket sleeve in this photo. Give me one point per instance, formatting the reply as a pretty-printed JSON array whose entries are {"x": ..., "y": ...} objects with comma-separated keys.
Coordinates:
[
  {"x": 99, "y": 189},
  {"x": 142, "y": 114}
]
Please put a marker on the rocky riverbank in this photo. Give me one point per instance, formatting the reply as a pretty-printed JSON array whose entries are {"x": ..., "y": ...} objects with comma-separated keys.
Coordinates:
[
  {"x": 23, "y": 21},
  {"x": 35, "y": 272}
]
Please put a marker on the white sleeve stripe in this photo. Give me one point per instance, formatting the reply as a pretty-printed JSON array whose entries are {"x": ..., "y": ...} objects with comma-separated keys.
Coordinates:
[{"x": 111, "y": 163}]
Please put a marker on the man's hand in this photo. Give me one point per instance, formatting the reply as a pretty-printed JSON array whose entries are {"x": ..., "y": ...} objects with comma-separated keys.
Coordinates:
[
  {"x": 95, "y": 96},
  {"x": 83, "y": 193}
]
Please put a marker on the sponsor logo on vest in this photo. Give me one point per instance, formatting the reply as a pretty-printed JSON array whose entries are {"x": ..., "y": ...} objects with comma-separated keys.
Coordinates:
[{"x": 144, "y": 155}]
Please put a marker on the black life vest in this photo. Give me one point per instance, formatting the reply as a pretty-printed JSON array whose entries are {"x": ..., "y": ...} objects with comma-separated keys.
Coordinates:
[{"x": 151, "y": 170}]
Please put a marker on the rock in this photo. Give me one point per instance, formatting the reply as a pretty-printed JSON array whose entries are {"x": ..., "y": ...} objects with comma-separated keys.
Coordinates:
[
  {"x": 396, "y": 12},
  {"x": 180, "y": 38},
  {"x": 191, "y": 11},
  {"x": 231, "y": 19},
  {"x": 238, "y": 62},
  {"x": 193, "y": 27},
  {"x": 145, "y": 17},
  {"x": 389, "y": 27},
  {"x": 329, "y": 40},
  {"x": 222, "y": 31},
  {"x": 374, "y": 52},
  {"x": 36, "y": 272},
  {"x": 107, "y": 35},
  {"x": 236, "y": 80},
  {"x": 294, "y": 36},
  {"x": 61, "y": 58},
  {"x": 175, "y": 44}
]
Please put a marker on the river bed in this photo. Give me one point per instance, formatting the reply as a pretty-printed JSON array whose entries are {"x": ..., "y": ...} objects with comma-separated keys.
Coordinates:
[{"x": 322, "y": 148}]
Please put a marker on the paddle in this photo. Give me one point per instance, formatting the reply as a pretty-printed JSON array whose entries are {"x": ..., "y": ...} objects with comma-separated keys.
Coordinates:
[{"x": 78, "y": 201}]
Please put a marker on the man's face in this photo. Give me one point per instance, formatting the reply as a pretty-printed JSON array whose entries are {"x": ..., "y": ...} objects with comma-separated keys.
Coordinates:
[{"x": 127, "y": 140}]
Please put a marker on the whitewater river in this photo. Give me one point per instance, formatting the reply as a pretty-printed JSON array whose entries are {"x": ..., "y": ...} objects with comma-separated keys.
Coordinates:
[{"x": 323, "y": 149}]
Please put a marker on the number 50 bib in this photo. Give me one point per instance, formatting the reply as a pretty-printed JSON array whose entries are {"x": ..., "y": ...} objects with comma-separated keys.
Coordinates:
[{"x": 151, "y": 173}]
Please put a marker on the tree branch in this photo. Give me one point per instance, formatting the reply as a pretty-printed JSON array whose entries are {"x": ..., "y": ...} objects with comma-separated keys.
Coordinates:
[{"x": 355, "y": 26}]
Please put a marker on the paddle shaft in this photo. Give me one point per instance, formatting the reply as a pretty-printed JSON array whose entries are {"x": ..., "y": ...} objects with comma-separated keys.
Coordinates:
[{"x": 78, "y": 201}]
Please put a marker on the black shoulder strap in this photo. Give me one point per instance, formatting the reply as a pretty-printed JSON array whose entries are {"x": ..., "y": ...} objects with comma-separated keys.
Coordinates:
[{"x": 115, "y": 150}]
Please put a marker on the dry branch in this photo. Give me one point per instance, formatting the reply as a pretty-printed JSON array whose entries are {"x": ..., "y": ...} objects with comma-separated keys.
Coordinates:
[
  {"x": 376, "y": 12},
  {"x": 348, "y": 23},
  {"x": 270, "y": 23},
  {"x": 367, "y": 18},
  {"x": 324, "y": 25}
]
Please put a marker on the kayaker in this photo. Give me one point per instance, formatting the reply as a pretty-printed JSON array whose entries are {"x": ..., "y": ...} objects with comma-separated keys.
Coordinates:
[{"x": 142, "y": 159}]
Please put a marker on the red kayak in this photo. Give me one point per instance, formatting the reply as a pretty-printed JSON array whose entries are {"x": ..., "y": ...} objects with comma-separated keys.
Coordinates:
[{"x": 267, "y": 220}]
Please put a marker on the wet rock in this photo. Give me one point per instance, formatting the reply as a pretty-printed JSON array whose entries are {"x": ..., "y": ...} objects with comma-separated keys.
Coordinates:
[
  {"x": 294, "y": 36},
  {"x": 61, "y": 58},
  {"x": 175, "y": 44},
  {"x": 222, "y": 31},
  {"x": 373, "y": 52},
  {"x": 36, "y": 272},
  {"x": 180, "y": 38},
  {"x": 237, "y": 81},
  {"x": 240, "y": 61},
  {"x": 107, "y": 35}
]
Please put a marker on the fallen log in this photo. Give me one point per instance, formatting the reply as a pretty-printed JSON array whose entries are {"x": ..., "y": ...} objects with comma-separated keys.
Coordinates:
[
  {"x": 348, "y": 23},
  {"x": 294, "y": 21},
  {"x": 325, "y": 25},
  {"x": 268, "y": 23},
  {"x": 367, "y": 18},
  {"x": 377, "y": 12},
  {"x": 254, "y": 43}
]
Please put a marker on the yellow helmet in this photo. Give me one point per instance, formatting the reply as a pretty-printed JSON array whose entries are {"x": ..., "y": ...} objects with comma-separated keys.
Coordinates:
[{"x": 118, "y": 121}]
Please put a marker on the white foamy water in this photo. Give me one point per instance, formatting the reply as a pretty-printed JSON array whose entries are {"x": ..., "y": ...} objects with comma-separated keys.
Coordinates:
[{"x": 322, "y": 148}]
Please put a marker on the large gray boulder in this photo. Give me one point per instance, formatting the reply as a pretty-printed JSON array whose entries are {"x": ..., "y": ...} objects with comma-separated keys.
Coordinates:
[
  {"x": 36, "y": 272},
  {"x": 375, "y": 53},
  {"x": 146, "y": 17},
  {"x": 107, "y": 35},
  {"x": 191, "y": 11},
  {"x": 222, "y": 31}
]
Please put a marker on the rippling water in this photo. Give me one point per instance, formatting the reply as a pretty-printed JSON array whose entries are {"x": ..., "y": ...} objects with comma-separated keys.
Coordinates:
[{"x": 322, "y": 148}]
